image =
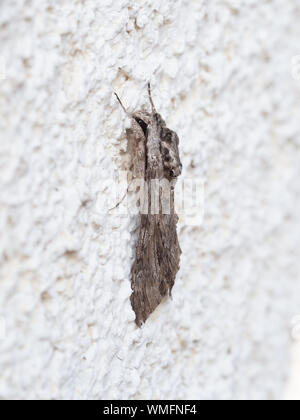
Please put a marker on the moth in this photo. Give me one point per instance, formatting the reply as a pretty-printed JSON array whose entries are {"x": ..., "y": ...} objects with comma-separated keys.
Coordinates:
[{"x": 154, "y": 156}]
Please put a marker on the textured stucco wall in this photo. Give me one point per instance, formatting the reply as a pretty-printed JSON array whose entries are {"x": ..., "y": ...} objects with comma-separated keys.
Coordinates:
[{"x": 221, "y": 77}]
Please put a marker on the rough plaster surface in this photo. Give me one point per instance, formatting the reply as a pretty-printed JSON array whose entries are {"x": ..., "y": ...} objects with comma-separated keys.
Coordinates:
[
  {"x": 292, "y": 391},
  {"x": 221, "y": 77}
]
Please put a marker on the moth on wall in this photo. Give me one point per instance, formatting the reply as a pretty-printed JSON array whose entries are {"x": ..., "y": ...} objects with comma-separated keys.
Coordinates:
[{"x": 155, "y": 160}]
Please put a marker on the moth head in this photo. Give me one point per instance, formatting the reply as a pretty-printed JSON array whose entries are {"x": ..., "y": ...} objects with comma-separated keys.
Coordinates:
[
  {"x": 170, "y": 153},
  {"x": 141, "y": 121},
  {"x": 142, "y": 124}
]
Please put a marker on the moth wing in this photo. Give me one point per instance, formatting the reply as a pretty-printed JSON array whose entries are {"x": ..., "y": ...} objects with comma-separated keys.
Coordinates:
[
  {"x": 137, "y": 150},
  {"x": 156, "y": 263}
]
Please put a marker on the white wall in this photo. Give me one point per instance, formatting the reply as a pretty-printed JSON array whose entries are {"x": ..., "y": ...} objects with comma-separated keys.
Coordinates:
[{"x": 221, "y": 77}]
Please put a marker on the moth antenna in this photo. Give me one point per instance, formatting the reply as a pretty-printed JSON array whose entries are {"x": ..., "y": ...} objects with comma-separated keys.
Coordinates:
[
  {"x": 123, "y": 107},
  {"x": 150, "y": 98}
]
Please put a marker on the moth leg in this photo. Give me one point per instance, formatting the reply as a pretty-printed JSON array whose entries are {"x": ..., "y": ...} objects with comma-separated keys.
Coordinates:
[
  {"x": 123, "y": 198},
  {"x": 150, "y": 98}
]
